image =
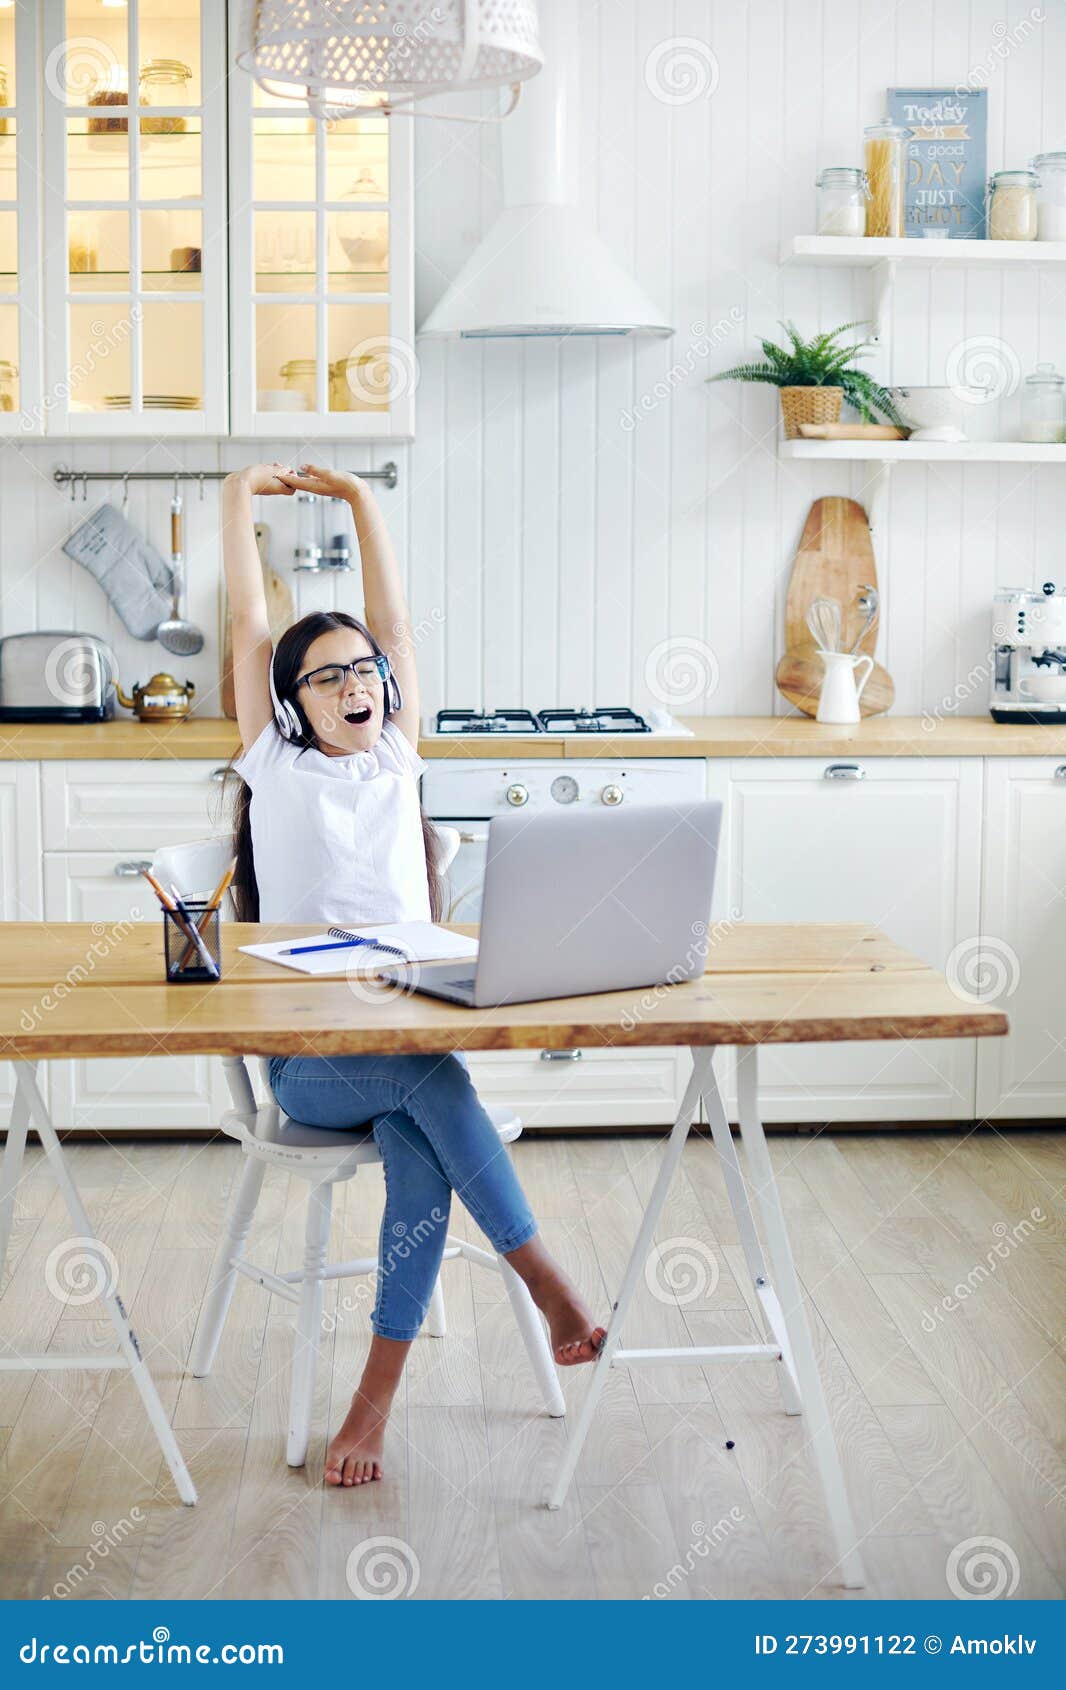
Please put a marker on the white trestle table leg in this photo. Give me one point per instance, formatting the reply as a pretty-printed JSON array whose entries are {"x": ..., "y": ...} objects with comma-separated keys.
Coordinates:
[
  {"x": 33, "y": 1107},
  {"x": 749, "y": 1239},
  {"x": 11, "y": 1172},
  {"x": 786, "y": 1283},
  {"x": 701, "y": 1067}
]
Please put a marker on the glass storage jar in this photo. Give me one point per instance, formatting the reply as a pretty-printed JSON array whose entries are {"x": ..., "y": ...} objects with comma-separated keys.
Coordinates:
[
  {"x": 8, "y": 374},
  {"x": 1044, "y": 406},
  {"x": 842, "y": 195},
  {"x": 1050, "y": 196},
  {"x": 1012, "y": 205},
  {"x": 884, "y": 151},
  {"x": 116, "y": 93},
  {"x": 300, "y": 376},
  {"x": 164, "y": 82}
]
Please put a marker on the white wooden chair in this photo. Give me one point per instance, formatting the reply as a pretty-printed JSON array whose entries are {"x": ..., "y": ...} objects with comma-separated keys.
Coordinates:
[{"x": 323, "y": 1157}]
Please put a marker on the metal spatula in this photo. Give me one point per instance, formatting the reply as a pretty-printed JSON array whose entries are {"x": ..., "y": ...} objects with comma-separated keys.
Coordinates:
[{"x": 175, "y": 635}]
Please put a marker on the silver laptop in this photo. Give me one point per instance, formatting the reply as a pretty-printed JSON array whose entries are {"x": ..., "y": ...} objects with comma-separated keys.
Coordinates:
[{"x": 595, "y": 902}]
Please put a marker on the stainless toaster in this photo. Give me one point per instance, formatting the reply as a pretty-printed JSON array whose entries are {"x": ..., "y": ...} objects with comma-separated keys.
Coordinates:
[{"x": 54, "y": 676}]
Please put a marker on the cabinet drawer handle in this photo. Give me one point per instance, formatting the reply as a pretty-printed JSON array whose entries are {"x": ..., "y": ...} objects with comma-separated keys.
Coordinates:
[
  {"x": 1060, "y": 772},
  {"x": 130, "y": 870},
  {"x": 561, "y": 1055},
  {"x": 843, "y": 771},
  {"x": 219, "y": 774}
]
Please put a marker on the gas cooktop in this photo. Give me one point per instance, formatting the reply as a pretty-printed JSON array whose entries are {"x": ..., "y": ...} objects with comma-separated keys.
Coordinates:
[{"x": 613, "y": 719}]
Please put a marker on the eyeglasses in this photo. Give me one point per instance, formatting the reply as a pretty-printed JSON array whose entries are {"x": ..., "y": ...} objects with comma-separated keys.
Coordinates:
[{"x": 328, "y": 681}]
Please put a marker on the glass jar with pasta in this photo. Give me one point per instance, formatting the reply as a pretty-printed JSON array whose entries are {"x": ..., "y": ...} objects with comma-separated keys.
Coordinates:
[{"x": 884, "y": 151}]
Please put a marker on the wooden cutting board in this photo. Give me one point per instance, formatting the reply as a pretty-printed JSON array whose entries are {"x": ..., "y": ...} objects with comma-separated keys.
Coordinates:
[
  {"x": 280, "y": 615},
  {"x": 799, "y": 679},
  {"x": 835, "y": 560}
]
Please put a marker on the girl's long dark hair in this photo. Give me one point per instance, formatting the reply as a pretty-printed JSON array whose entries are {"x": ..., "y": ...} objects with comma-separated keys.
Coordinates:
[{"x": 288, "y": 662}]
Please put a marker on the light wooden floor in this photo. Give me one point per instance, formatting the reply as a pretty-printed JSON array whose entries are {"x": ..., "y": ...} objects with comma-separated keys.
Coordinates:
[{"x": 951, "y": 1423}]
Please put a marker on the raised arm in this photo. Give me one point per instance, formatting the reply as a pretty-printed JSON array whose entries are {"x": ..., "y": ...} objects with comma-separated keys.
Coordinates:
[
  {"x": 385, "y": 606},
  {"x": 247, "y": 596}
]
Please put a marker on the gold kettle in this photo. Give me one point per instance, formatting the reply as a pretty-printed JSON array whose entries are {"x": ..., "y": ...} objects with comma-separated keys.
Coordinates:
[{"x": 162, "y": 699}]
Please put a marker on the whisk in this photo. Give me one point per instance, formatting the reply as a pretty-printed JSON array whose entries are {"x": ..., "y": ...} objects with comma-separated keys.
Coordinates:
[{"x": 823, "y": 620}]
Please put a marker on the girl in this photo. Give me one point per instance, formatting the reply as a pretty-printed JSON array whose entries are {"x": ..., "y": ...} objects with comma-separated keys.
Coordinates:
[{"x": 330, "y": 830}]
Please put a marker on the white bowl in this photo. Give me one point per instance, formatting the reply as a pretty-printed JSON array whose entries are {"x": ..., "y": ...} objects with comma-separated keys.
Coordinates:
[{"x": 936, "y": 413}]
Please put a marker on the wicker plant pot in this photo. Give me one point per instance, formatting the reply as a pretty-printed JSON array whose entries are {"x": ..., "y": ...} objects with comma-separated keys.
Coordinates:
[{"x": 809, "y": 405}]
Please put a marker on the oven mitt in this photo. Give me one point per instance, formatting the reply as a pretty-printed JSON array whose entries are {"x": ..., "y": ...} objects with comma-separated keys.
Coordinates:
[{"x": 135, "y": 577}]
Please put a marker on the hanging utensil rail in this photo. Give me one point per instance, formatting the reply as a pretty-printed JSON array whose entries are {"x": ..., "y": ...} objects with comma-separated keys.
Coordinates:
[{"x": 388, "y": 473}]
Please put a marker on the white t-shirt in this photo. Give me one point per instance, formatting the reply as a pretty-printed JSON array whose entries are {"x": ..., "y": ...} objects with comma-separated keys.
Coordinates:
[{"x": 337, "y": 840}]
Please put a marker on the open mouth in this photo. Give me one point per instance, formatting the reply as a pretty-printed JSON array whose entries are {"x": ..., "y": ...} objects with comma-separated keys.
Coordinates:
[{"x": 357, "y": 717}]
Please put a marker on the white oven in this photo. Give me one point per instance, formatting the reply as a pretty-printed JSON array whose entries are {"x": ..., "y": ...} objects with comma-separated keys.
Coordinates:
[{"x": 583, "y": 1088}]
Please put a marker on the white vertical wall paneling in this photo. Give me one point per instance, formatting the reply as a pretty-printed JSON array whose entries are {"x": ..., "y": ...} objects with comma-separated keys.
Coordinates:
[
  {"x": 560, "y": 548},
  {"x": 616, "y": 452},
  {"x": 502, "y": 556}
]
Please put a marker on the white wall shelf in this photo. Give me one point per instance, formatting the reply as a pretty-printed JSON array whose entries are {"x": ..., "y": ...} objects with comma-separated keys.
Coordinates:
[
  {"x": 871, "y": 250},
  {"x": 925, "y": 451}
]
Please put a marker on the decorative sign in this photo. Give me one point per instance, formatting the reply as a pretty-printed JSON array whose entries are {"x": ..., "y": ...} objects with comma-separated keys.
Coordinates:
[{"x": 945, "y": 164}]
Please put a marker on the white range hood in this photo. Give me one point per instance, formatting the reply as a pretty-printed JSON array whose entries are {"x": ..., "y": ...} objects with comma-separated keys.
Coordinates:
[{"x": 541, "y": 270}]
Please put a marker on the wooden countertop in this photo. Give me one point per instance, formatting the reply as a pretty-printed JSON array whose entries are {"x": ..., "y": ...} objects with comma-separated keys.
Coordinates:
[
  {"x": 216, "y": 739},
  {"x": 799, "y": 984}
]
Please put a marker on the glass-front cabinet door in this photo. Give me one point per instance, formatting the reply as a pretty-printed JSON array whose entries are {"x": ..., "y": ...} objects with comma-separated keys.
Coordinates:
[
  {"x": 134, "y": 217},
  {"x": 321, "y": 250},
  {"x": 21, "y": 411}
]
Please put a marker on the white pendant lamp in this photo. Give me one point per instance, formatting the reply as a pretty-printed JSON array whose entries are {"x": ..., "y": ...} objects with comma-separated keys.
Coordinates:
[{"x": 346, "y": 57}]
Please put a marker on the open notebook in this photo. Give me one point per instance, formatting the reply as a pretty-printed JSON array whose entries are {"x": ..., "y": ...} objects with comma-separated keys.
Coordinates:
[{"x": 419, "y": 941}]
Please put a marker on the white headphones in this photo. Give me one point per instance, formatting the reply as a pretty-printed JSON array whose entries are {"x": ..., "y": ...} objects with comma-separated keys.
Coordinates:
[{"x": 286, "y": 716}]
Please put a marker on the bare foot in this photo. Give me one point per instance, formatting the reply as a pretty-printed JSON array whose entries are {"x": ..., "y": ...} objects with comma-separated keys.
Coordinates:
[
  {"x": 574, "y": 1336},
  {"x": 355, "y": 1454}
]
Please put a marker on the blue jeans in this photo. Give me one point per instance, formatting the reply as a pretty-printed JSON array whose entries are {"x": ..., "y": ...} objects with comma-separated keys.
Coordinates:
[{"x": 435, "y": 1138}]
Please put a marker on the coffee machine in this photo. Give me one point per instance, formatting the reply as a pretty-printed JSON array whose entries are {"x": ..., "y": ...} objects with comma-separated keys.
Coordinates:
[{"x": 1029, "y": 655}]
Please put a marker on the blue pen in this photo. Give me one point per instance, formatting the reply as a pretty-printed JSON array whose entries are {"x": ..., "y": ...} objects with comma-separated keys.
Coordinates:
[{"x": 347, "y": 943}]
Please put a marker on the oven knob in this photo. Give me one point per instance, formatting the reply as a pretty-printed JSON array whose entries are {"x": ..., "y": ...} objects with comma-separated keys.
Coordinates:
[
  {"x": 612, "y": 794},
  {"x": 517, "y": 795},
  {"x": 564, "y": 789}
]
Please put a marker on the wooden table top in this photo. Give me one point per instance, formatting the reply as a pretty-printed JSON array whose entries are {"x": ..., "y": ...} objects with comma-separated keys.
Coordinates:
[{"x": 89, "y": 989}]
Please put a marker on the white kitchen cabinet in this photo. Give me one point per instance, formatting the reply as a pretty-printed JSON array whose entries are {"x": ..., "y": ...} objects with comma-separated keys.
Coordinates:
[
  {"x": 100, "y": 805},
  {"x": 20, "y": 865},
  {"x": 1023, "y": 938},
  {"x": 894, "y": 842},
  {"x": 130, "y": 1092},
  {"x": 102, "y": 819},
  {"x": 322, "y": 265},
  {"x": 135, "y": 271},
  {"x": 586, "y": 1088}
]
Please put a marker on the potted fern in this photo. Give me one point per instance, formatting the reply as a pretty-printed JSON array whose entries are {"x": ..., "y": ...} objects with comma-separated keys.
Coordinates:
[{"x": 815, "y": 377}]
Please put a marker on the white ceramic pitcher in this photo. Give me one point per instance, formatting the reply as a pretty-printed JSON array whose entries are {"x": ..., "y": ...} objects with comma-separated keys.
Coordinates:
[{"x": 840, "y": 694}]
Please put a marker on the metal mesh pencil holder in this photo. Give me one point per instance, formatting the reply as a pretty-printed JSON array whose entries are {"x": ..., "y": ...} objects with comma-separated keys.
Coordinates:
[{"x": 186, "y": 961}]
